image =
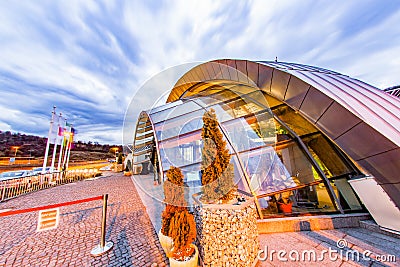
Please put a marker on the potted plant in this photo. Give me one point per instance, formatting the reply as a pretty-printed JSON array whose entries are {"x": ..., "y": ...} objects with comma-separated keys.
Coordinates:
[
  {"x": 282, "y": 134},
  {"x": 173, "y": 198},
  {"x": 183, "y": 232},
  {"x": 284, "y": 202},
  {"x": 217, "y": 171},
  {"x": 128, "y": 168},
  {"x": 165, "y": 240},
  {"x": 221, "y": 204},
  {"x": 178, "y": 229}
]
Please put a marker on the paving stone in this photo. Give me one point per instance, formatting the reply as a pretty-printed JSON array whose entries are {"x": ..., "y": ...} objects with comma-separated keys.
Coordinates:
[
  {"x": 79, "y": 227},
  {"x": 358, "y": 241}
]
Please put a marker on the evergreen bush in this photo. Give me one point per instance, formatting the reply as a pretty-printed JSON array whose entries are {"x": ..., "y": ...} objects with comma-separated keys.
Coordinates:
[
  {"x": 217, "y": 172},
  {"x": 177, "y": 222}
]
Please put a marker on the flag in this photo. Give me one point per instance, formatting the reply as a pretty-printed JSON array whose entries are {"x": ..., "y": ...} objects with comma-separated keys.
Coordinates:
[
  {"x": 54, "y": 128},
  {"x": 61, "y": 131},
  {"x": 71, "y": 137}
]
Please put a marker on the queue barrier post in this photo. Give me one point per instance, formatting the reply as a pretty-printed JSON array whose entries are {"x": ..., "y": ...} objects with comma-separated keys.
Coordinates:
[{"x": 104, "y": 246}]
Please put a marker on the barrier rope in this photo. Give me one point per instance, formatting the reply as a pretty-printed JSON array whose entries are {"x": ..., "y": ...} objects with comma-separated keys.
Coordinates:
[{"x": 14, "y": 212}]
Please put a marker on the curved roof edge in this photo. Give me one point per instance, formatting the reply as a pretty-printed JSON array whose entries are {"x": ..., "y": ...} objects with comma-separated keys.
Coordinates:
[{"x": 370, "y": 104}]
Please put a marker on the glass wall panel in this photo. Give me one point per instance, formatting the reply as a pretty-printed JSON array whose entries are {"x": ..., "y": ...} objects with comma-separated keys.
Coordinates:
[
  {"x": 299, "y": 167},
  {"x": 266, "y": 171},
  {"x": 327, "y": 158},
  {"x": 140, "y": 156},
  {"x": 242, "y": 135},
  {"x": 235, "y": 109},
  {"x": 207, "y": 88},
  {"x": 295, "y": 121},
  {"x": 221, "y": 113},
  {"x": 345, "y": 193},
  {"x": 173, "y": 112},
  {"x": 251, "y": 132},
  {"x": 259, "y": 98},
  {"x": 204, "y": 89},
  {"x": 181, "y": 151},
  {"x": 243, "y": 89},
  {"x": 213, "y": 99},
  {"x": 292, "y": 166},
  {"x": 164, "y": 107},
  {"x": 180, "y": 125},
  {"x": 264, "y": 125}
]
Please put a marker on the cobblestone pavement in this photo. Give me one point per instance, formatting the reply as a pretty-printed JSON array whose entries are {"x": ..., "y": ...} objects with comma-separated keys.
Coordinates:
[
  {"x": 348, "y": 246},
  {"x": 128, "y": 227}
]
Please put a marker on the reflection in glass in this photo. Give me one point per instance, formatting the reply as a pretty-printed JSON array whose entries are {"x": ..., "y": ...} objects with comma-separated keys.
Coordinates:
[
  {"x": 266, "y": 171},
  {"x": 179, "y": 125},
  {"x": 345, "y": 193},
  {"x": 175, "y": 111},
  {"x": 327, "y": 158}
]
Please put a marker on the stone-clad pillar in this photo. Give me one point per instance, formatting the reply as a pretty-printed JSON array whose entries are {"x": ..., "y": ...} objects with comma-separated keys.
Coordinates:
[{"x": 227, "y": 234}]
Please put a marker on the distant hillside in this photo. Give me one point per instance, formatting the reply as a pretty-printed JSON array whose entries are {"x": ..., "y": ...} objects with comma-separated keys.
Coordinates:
[{"x": 35, "y": 146}]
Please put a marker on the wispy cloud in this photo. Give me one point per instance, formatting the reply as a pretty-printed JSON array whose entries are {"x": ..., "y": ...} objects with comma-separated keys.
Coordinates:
[{"x": 89, "y": 57}]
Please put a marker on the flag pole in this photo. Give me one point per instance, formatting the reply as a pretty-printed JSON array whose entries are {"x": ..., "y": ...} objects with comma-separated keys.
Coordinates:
[
  {"x": 48, "y": 139},
  {"x": 55, "y": 146},
  {"x": 71, "y": 138},
  {"x": 61, "y": 146},
  {"x": 66, "y": 146}
]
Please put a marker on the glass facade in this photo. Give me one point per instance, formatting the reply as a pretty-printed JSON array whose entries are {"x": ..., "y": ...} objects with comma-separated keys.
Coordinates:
[{"x": 276, "y": 152}]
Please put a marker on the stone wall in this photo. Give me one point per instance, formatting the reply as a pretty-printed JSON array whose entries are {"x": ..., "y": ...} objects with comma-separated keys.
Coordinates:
[{"x": 227, "y": 234}]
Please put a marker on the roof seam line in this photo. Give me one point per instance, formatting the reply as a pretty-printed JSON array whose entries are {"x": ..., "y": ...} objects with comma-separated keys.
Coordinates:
[
  {"x": 301, "y": 104},
  {"x": 247, "y": 73},
  {"x": 378, "y": 154},
  {"x": 287, "y": 87},
  {"x": 272, "y": 77},
  {"x": 355, "y": 125},
  {"x": 333, "y": 101}
]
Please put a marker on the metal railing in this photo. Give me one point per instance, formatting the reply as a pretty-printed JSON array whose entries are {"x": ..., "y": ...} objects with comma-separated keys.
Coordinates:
[{"x": 14, "y": 187}]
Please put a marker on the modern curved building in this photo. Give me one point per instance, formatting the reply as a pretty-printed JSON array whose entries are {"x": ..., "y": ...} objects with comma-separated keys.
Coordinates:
[{"x": 289, "y": 128}]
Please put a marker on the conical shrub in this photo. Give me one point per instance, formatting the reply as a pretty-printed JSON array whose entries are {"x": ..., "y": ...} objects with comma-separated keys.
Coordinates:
[{"x": 217, "y": 172}]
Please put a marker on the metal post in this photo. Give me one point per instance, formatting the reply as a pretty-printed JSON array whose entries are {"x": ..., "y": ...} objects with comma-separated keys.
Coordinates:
[
  {"x": 104, "y": 246},
  {"x": 103, "y": 222},
  {"x": 3, "y": 196}
]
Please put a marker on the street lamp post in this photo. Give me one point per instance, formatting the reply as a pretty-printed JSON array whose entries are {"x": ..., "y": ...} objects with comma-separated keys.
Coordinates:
[
  {"x": 16, "y": 149},
  {"x": 116, "y": 160},
  {"x": 115, "y": 152},
  {"x": 30, "y": 155}
]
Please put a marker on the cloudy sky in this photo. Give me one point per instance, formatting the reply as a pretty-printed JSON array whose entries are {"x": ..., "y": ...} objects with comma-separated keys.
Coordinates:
[{"x": 89, "y": 58}]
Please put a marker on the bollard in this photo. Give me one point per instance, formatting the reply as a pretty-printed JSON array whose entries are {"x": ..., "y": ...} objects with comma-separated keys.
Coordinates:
[{"x": 104, "y": 246}]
